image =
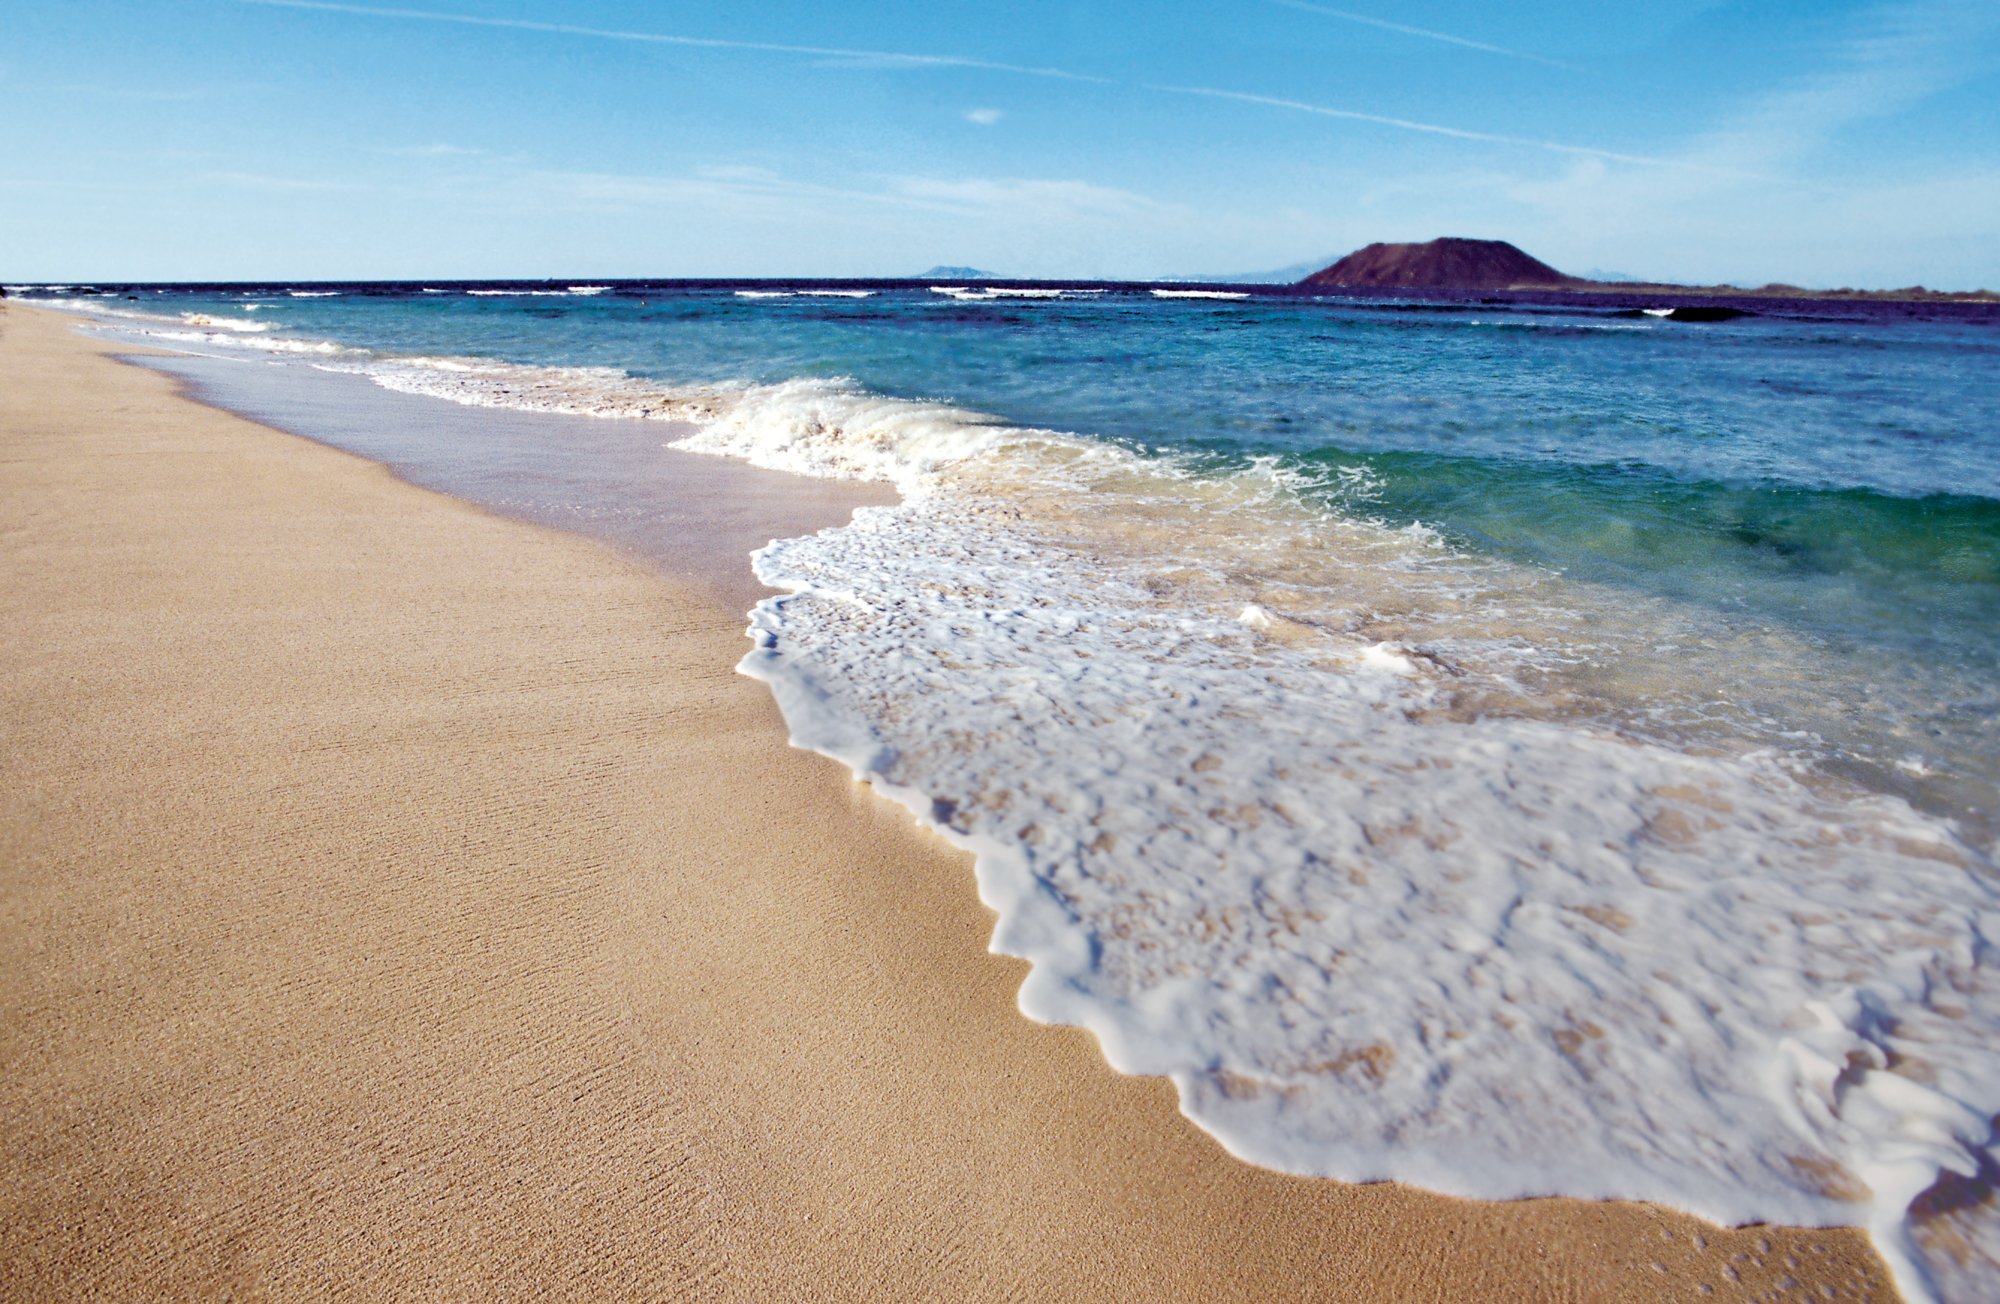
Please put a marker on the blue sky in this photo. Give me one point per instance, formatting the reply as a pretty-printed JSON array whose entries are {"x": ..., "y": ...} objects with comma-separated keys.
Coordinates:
[{"x": 1815, "y": 141}]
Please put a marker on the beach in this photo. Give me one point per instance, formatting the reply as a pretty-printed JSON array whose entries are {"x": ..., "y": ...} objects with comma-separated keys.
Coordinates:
[{"x": 406, "y": 901}]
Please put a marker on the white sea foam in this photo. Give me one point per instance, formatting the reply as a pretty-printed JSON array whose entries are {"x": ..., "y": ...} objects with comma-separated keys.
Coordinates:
[
  {"x": 1370, "y": 929},
  {"x": 314, "y": 294},
  {"x": 261, "y": 343},
  {"x": 192, "y": 328},
  {"x": 94, "y": 308},
  {"x": 840, "y": 294},
  {"x": 573, "y": 292},
  {"x": 974, "y": 294},
  {"x": 763, "y": 294},
  {"x": 1269, "y": 797},
  {"x": 209, "y": 322},
  {"x": 1199, "y": 294}
]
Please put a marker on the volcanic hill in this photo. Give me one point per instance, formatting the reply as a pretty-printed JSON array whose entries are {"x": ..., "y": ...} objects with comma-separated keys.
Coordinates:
[{"x": 1446, "y": 264}]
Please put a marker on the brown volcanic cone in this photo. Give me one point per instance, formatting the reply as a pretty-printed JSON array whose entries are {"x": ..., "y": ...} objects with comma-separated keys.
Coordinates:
[{"x": 1446, "y": 264}]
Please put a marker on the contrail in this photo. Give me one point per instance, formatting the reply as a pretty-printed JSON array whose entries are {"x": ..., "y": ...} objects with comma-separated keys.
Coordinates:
[
  {"x": 663, "y": 38},
  {"x": 1424, "y": 32},
  {"x": 896, "y": 59},
  {"x": 1456, "y": 133}
]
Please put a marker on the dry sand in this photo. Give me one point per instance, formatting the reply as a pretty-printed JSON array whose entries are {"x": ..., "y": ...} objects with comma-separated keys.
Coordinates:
[{"x": 400, "y": 901}]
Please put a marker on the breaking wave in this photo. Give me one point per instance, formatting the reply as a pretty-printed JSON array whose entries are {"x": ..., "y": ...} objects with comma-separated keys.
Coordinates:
[{"x": 1346, "y": 830}]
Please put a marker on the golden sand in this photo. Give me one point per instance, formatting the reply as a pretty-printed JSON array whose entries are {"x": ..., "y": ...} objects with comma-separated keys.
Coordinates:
[{"x": 401, "y": 901}]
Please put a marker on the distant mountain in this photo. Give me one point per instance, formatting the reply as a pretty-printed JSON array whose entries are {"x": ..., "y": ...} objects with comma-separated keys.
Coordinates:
[
  {"x": 944, "y": 271},
  {"x": 1282, "y": 276},
  {"x": 1446, "y": 264}
]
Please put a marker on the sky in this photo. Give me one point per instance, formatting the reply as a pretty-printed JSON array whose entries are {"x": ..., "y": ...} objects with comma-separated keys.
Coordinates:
[{"x": 1818, "y": 142}]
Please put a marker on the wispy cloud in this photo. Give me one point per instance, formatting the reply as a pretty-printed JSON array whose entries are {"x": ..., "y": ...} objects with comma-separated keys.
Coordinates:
[
  {"x": 1896, "y": 56},
  {"x": 1891, "y": 59},
  {"x": 431, "y": 151},
  {"x": 1423, "y": 32},
  {"x": 148, "y": 94},
  {"x": 884, "y": 58},
  {"x": 740, "y": 189},
  {"x": 1703, "y": 222},
  {"x": 880, "y": 58},
  {"x": 746, "y": 189},
  {"x": 261, "y": 181},
  {"x": 984, "y": 117},
  {"x": 1013, "y": 196}
]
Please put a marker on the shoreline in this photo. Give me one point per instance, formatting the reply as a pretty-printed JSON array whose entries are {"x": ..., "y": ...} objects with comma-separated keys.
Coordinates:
[
  {"x": 427, "y": 907},
  {"x": 697, "y": 529}
]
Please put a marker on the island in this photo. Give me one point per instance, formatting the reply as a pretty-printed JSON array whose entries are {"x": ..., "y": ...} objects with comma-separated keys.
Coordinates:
[{"x": 1460, "y": 264}]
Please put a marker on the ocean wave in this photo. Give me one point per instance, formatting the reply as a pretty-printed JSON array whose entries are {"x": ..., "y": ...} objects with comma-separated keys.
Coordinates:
[
  {"x": 573, "y": 292},
  {"x": 209, "y": 322},
  {"x": 1294, "y": 805},
  {"x": 313, "y": 294},
  {"x": 260, "y": 343},
  {"x": 975, "y": 294},
  {"x": 1292, "y": 833},
  {"x": 1199, "y": 294},
  {"x": 571, "y": 391},
  {"x": 204, "y": 329},
  {"x": 96, "y": 308}
]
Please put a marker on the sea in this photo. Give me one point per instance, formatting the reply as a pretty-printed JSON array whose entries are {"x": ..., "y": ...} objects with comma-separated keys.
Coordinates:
[{"x": 1516, "y": 747}]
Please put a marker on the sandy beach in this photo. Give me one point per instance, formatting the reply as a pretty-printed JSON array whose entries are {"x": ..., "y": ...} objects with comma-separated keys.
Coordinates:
[{"x": 403, "y": 901}]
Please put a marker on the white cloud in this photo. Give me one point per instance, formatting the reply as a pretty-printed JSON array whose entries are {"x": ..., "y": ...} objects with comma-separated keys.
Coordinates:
[
  {"x": 262, "y": 181},
  {"x": 721, "y": 191},
  {"x": 984, "y": 117},
  {"x": 747, "y": 189},
  {"x": 1013, "y": 198},
  {"x": 737, "y": 219},
  {"x": 431, "y": 151},
  {"x": 1903, "y": 54}
]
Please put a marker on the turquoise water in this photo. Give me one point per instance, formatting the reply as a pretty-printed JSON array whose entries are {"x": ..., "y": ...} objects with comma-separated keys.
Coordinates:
[
  {"x": 1513, "y": 748},
  {"x": 1827, "y": 473}
]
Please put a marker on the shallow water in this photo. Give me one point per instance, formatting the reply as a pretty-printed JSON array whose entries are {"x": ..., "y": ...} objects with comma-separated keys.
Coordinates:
[{"x": 1510, "y": 748}]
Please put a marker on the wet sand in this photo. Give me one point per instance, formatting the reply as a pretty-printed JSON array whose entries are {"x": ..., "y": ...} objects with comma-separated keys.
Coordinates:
[{"x": 400, "y": 900}]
